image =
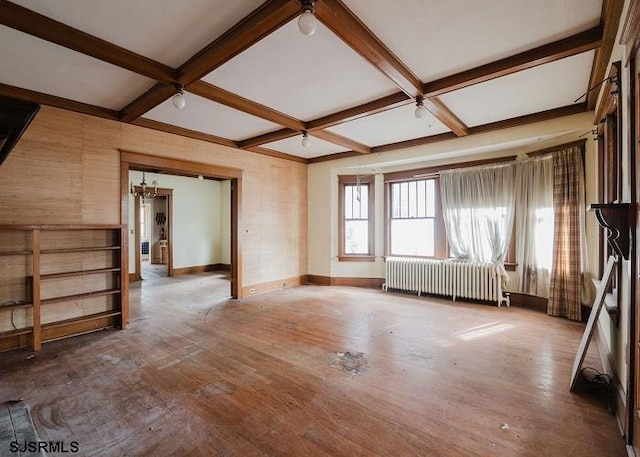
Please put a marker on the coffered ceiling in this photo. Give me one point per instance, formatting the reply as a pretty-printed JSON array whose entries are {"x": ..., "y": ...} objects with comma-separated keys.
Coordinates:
[{"x": 255, "y": 82}]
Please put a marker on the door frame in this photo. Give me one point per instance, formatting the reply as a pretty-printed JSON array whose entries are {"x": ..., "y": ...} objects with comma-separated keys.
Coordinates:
[
  {"x": 130, "y": 160},
  {"x": 160, "y": 192}
]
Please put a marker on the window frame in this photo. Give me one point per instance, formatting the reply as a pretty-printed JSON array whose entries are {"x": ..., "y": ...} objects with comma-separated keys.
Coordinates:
[
  {"x": 351, "y": 180},
  {"x": 441, "y": 245}
]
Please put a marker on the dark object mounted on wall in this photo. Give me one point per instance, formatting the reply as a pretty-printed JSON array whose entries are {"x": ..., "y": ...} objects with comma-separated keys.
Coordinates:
[
  {"x": 15, "y": 117},
  {"x": 161, "y": 218}
]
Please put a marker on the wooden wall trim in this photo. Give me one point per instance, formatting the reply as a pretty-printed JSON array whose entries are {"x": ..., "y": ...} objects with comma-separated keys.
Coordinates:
[
  {"x": 630, "y": 37},
  {"x": 180, "y": 167},
  {"x": 609, "y": 367},
  {"x": 528, "y": 301},
  {"x": 271, "y": 286},
  {"x": 135, "y": 160},
  {"x": 558, "y": 147},
  {"x": 124, "y": 245},
  {"x": 201, "y": 269},
  {"x": 368, "y": 283},
  {"x": 419, "y": 172},
  {"x": 610, "y": 21}
]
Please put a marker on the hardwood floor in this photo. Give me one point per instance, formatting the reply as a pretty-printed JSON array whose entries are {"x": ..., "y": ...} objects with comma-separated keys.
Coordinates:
[
  {"x": 153, "y": 270},
  {"x": 313, "y": 371}
]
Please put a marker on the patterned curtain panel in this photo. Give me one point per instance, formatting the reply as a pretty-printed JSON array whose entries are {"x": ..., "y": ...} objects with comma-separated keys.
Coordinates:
[{"x": 569, "y": 234}]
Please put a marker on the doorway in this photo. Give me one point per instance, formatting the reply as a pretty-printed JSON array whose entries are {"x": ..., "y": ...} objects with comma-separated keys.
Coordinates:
[
  {"x": 148, "y": 163},
  {"x": 153, "y": 237}
]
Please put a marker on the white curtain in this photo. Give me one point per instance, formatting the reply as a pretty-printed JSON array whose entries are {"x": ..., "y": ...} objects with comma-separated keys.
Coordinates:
[
  {"x": 534, "y": 225},
  {"x": 478, "y": 207}
]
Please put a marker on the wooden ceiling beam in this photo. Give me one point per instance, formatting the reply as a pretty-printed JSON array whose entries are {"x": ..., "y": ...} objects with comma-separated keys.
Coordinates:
[
  {"x": 485, "y": 128},
  {"x": 278, "y": 154},
  {"x": 567, "y": 47},
  {"x": 341, "y": 141},
  {"x": 282, "y": 134},
  {"x": 260, "y": 23},
  {"x": 540, "y": 116},
  {"x": 346, "y": 25},
  {"x": 147, "y": 101},
  {"x": 32, "y": 23},
  {"x": 168, "y": 128},
  {"x": 446, "y": 116},
  {"x": 547, "y": 53},
  {"x": 57, "y": 102},
  {"x": 610, "y": 20},
  {"x": 231, "y": 100},
  {"x": 268, "y": 138},
  {"x": 367, "y": 109},
  {"x": 254, "y": 27}
]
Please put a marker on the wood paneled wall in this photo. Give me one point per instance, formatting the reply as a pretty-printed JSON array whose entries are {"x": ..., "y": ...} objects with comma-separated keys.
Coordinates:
[{"x": 66, "y": 170}]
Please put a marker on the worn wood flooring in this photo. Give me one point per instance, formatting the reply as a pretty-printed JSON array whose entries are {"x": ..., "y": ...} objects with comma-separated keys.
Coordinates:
[{"x": 313, "y": 371}]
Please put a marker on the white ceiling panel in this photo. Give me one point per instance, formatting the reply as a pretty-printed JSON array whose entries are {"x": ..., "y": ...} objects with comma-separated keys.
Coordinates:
[
  {"x": 317, "y": 147},
  {"x": 34, "y": 64},
  {"x": 205, "y": 116},
  {"x": 439, "y": 38},
  {"x": 538, "y": 89},
  {"x": 167, "y": 31},
  {"x": 303, "y": 76},
  {"x": 390, "y": 126}
]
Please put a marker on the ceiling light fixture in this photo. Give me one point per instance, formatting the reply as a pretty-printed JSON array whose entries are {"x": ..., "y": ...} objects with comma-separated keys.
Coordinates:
[
  {"x": 306, "y": 141},
  {"x": 420, "y": 111},
  {"x": 179, "y": 101},
  {"x": 307, "y": 21},
  {"x": 143, "y": 191}
]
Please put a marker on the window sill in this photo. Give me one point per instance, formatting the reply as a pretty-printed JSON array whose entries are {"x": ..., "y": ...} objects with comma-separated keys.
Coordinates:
[{"x": 356, "y": 258}]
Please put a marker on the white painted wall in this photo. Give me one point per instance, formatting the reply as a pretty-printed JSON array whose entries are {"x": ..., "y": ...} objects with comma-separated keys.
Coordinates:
[{"x": 201, "y": 219}]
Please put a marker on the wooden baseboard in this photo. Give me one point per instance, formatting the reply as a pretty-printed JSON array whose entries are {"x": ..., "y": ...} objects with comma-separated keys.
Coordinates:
[
  {"x": 271, "y": 286},
  {"x": 369, "y": 283},
  {"x": 133, "y": 277},
  {"x": 528, "y": 301},
  {"x": 538, "y": 303},
  {"x": 201, "y": 269},
  {"x": 609, "y": 367}
]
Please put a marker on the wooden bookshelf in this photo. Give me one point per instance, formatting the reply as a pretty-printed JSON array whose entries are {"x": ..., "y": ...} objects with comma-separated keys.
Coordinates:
[{"x": 68, "y": 282}]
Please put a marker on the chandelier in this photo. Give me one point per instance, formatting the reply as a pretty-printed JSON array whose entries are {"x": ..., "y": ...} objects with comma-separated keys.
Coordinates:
[{"x": 143, "y": 190}]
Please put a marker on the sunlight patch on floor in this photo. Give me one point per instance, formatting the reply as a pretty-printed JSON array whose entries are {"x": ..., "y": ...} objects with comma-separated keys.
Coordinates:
[{"x": 482, "y": 331}]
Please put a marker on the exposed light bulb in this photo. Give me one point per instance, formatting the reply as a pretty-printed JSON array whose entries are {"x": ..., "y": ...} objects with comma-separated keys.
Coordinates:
[
  {"x": 179, "y": 101},
  {"x": 420, "y": 111},
  {"x": 307, "y": 20},
  {"x": 306, "y": 142}
]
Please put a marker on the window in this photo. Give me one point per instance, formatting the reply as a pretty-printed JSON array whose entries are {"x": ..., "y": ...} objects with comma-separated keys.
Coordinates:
[
  {"x": 414, "y": 224},
  {"x": 413, "y": 215},
  {"x": 356, "y": 218}
]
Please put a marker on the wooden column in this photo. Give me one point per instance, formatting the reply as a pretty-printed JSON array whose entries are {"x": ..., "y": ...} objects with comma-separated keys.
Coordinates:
[{"x": 35, "y": 292}]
